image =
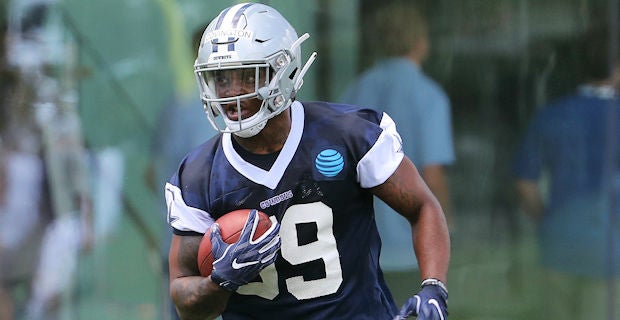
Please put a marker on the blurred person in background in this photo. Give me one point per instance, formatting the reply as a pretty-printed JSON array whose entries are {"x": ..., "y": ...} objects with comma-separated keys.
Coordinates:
[
  {"x": 25, "y": 208},
  {"x": 398, "y": 86},
  {"x": 568, "y": 181},
  {"x": 46, "y": 126}
]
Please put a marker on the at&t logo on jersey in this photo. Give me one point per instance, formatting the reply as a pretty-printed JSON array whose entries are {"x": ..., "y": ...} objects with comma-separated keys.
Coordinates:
[{"x": 329, "y": 162}]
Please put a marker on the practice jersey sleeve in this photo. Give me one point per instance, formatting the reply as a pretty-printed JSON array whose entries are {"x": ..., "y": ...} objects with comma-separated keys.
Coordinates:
[
  {"x": 181, "y": 216},
  {"x": 188, "y": 209},
  {"x": 380, "y": 162}
]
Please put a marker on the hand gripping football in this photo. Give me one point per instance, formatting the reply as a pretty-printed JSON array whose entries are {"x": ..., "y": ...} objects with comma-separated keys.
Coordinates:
[{"x": 231, "y": 225}]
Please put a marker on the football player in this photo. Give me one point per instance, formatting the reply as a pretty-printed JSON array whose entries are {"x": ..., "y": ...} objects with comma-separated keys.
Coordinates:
[{"x": 313, "y": 167}]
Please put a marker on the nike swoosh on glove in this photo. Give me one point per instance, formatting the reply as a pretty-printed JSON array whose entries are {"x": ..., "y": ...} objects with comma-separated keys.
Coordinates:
[
  {"x": 239, "y": 263},
  {"x": 431, "y": 303}
]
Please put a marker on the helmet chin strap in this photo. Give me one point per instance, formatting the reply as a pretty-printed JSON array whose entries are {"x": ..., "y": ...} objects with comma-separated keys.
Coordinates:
[{"x": 251, "y": 131}]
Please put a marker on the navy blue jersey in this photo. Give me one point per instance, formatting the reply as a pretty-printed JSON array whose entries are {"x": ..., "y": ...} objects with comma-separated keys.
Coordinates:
[{"x": 317, "y": 189}]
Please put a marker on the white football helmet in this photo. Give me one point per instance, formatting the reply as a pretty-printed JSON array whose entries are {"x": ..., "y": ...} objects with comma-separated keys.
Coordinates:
[{"x": 255, "y": 39}]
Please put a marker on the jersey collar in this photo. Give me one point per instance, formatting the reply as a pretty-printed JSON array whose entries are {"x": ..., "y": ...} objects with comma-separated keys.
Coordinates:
[{"x": 269, "y": 178}]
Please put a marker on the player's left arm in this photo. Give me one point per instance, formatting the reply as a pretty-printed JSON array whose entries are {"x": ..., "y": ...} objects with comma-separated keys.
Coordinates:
[
  {"x": 436, "y": 178},
  {"x": 407, "y": 193}
]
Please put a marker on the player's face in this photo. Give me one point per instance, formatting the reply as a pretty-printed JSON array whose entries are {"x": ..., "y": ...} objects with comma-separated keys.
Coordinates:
[{"x": 239, "y": 82}]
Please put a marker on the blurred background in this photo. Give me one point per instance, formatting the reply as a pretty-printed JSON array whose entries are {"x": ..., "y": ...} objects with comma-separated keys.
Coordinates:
[{"x": 87, "y": 88}]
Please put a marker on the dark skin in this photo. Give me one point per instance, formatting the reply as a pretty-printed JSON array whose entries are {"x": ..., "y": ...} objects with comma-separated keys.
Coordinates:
[
  {"x": 198, "y": 297},
  {"x": 407, "y": 193},
  {"x": 195, "y": 297}
]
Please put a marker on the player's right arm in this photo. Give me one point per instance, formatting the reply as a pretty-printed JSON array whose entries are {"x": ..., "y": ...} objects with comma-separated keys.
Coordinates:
[
  {"x": 234, "y": 265},
  {"x": 195, "y": 297}
]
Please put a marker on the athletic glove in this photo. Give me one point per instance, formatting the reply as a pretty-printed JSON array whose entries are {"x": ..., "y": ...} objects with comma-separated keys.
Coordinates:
[
  {"x": 431, "y": 302},
  {"x": 239, "y": 263}
]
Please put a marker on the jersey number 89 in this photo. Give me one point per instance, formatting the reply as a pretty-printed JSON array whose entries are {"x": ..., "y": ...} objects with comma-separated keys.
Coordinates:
[{"x": 324, "y": 248}]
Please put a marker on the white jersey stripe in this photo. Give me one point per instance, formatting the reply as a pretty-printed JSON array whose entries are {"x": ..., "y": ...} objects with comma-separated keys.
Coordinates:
[
  {"x": 380, "y": 162},
  {"x": 183, "y": 217}
]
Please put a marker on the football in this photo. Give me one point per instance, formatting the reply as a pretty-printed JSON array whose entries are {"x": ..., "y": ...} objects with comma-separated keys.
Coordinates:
[{"x": 231, "y": 225}]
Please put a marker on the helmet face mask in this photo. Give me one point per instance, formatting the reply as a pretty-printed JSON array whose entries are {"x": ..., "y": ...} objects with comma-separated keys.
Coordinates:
[
  {"x": 232, "y": 94},
  {"x": 249, "y": 55}
]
